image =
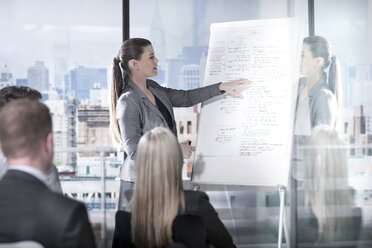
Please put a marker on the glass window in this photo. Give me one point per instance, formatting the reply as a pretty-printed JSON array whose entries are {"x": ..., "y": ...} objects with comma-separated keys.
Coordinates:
[
  {"x": 347, "y": 27},
  {"x": 179, "y": 32},
  {"x": 64, "y": 49}
]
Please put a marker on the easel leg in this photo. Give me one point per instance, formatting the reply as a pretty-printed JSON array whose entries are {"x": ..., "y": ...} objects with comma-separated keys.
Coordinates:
[
  {"x": 293, "y": 213},
  {"x": 282, "y": 222},
  {"x": 286, "y": 233},
  {"x": 232, "y": 215}
]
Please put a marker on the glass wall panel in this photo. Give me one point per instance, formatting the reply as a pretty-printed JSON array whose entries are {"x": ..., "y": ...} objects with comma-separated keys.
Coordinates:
[
  {"x": 179, "y": 32},
  {"x": 64, "y": 49},
  {"x": 338, "y": 213}
]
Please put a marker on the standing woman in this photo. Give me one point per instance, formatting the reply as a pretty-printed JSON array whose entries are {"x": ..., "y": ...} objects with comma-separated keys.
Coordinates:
[
  {"x": 324, "y": 94},
  {"x": 139, "y": 104}
]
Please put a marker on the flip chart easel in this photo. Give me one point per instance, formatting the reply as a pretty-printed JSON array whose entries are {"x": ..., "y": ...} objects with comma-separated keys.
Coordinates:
[{"x": 248, "y": 141}]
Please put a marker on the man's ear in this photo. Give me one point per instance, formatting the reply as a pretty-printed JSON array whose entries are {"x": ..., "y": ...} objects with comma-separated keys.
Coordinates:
[{"x": 49, "y": 142}]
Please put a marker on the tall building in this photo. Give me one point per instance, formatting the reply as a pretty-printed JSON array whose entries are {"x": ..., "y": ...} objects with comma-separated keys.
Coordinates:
[
  {"x": 357, "y": 134},
  {"x": 99, "y": 96},
  {"x": 190, "y": 77},
  {"x": 71, "y": 131},
  {"x": 359, "y": 121},
  {"x": 189, "y": 56},
  {"x": 6, "y": 78},
  {"x": 369, "y": 125},
  {"x": 174, "y": 67},
  {"x": 57, "y": 108},
  {"x": 93, "y": 126},
  {"x": 83, "y": 79},
  {"x": 157, "y": 36},
  {"x": 38, "y": 76},
  {"x": 357, "y": 87},
  {"x": 61, "y": 55},
  {"x": 21, "y": 81}
]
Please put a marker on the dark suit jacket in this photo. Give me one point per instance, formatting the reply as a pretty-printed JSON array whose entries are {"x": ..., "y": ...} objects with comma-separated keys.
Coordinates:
[
  {"x": 136, "y": 115},
  {"x": 196, "y": 204},
  {"x": 30, "y": 211}
]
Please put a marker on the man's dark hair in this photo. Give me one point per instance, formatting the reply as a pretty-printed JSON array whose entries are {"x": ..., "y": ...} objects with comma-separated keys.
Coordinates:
[{"x": 11, "y": 93}]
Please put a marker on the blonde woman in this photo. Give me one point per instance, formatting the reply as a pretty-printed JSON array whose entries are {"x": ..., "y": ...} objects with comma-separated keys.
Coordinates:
[
  {"x": 159, "y": 199},
  {"x": 326, "y": 188}
]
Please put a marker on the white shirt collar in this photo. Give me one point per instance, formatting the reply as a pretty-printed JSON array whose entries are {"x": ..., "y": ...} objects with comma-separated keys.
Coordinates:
[{"x": 39, "y": 174}]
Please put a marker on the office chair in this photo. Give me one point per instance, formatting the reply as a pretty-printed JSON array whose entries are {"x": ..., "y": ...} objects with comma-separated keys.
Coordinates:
[{"x": 21, "y": 244}]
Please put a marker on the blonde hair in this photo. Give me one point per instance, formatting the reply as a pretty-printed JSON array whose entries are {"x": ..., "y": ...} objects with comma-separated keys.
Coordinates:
[
  {"x": 326, "y": 184},
  {"x": 158, "y": 191}
]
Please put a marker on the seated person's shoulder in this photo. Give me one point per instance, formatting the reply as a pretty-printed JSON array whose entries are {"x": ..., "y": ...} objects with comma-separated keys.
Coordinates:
[
  {"x": 190, "y": 194},
  {"x": 189, "y": 230},
  {"x": 66, "y": 202},
  {"x": 122, "y": 215},
  {"x": 122, "y": 221},
  {"x": 195, "y": 200}
]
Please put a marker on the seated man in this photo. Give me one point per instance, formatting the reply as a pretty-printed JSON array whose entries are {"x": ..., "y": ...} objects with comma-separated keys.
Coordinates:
[
  {"x": 9, "y": 94},
  {"x": 29, "y": 210}
]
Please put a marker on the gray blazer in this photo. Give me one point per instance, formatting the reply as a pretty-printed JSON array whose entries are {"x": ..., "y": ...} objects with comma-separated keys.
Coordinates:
[
  {"x": 136, "y": 115},
  {"x": 319, "y": 107},
  {"x": 322, "y": 103}
]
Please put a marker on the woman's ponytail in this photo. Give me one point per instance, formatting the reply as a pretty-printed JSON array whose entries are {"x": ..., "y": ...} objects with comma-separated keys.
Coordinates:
[
  {"x": 116, "y": 87},
  {"x": 335, "y": 84}
]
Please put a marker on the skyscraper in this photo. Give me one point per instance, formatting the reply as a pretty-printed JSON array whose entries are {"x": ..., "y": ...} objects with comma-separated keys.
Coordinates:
[
  {"x": 71, "y": 131},
  {"x": 38, "y": 76},
  {"x": 190, "y": 56},
  {"x": 92, "y": 126},
  {"x": 21, "y": 81},
  {"x": 190, "y": 77},
  {"x": 6, "y": 78},
  {"x": 83, "y": 79},
  {"x": 61, "y": 58}
]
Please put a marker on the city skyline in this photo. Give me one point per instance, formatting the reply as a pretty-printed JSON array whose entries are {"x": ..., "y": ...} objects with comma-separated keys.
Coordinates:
[{"x": 92, "y": 38}]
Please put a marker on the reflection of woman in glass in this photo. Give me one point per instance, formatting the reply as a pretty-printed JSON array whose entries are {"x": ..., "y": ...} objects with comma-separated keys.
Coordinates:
[
  {"x": 319, "y": 103},
  {"x": 320, "y": 97},
  {"x": 327, "y": 191},
  {"x": 324, "y": 94},
  {"x": 139, "y": 104}
]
